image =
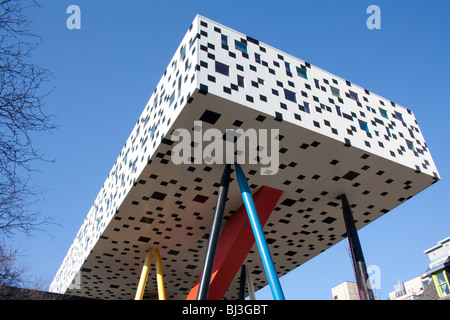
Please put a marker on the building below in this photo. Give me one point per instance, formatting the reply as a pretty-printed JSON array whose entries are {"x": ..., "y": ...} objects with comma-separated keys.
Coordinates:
[
  {"x": 347, "y": 290},
  {"x": 409, "y": 290},
  {"x": 431, "y": 285},
  {"x": 439, "y": 253},
  {"x": 434, "y": 283},
  {"x": 438, "y": 274}
]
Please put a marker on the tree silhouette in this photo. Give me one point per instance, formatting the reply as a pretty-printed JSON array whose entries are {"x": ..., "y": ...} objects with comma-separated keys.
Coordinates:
[{"x": 22, "y": 92}]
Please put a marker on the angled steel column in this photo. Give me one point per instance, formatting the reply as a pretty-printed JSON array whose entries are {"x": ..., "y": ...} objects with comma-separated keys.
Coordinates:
[
  {"x": 205, "y": 279},
  {"x": 251, "y": 288},
  {"x": 144, "y": 275},
  {"x": 242, "y": 281},
  {"x": 258, "y": 232},
  {"x": 359, "y": 264},
  {"x": 235, "y": 242},
  {"x": 159, "y": 276}
]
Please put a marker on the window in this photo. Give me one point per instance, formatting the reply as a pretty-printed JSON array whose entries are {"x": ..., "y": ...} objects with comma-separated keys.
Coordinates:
[
  {"x": 152, "y": 131},
  {"x": 288, "y": 66},
  {"x": 335, "y": 92},
  {"x": 410, "y": 145},
  {"x": 289, "y": 95},
  {"x": 257, "y": 58},
  {"x": 353, "y": 95},
  {"x": 224, "y": 40},
  {"x": 383, "y": 113},
  {"x": 363, "y": 125},
  {"x": 191, "y": 43},
  {"x": 240, "y": 46},
  {"x": 398, "y": 116},
  {"x": 187, "y": 65},
  {"x": 182, "y": 52},
  {"x": 147, "y": 118},
  {"x": 306, "y": 107},
  {"x": 316, "y": 82},
  {"x": 302, "y": 73},
  {"x": 222, "y": 68},
  {"x": 441, "y": 283},
  {"x": 172, "y": 98},
  {"x": 240, "y": 80}
]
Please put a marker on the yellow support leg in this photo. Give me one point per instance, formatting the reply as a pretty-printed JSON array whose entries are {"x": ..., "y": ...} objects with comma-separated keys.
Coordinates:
[
  {"x": 144, "y": 276},
  {"x": 159, "y": 276}
]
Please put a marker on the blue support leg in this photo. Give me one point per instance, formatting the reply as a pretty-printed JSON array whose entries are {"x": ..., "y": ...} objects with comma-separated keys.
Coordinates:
[{"x": 263, "y": 248}]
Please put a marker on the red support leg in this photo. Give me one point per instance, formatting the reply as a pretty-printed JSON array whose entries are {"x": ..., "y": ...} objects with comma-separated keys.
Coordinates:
[{"x": 235, "y": 242}]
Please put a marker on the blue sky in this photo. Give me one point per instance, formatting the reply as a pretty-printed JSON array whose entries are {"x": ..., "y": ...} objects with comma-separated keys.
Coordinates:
[{"x": 104, "y": 75}]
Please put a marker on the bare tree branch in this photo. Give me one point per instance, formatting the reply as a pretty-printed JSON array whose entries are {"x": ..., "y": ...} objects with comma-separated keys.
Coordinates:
[
  {"x": 10, "y": 273},
  {"x": 23, "y": 88}
]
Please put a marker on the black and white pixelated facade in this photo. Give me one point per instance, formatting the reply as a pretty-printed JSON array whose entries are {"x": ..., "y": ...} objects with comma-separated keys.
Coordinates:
[{"x": 334, "y": 137}]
